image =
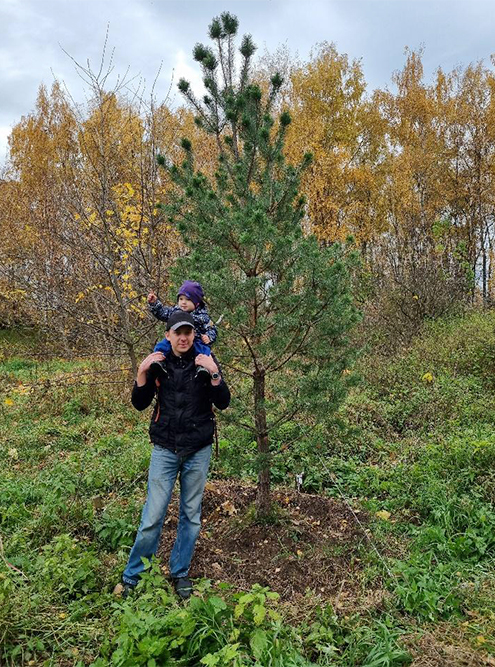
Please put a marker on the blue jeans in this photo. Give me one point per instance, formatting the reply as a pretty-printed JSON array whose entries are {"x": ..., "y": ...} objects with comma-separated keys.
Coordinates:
[
  {"x": 165, "y": 466},
  {"x": 199, "y": 347}
]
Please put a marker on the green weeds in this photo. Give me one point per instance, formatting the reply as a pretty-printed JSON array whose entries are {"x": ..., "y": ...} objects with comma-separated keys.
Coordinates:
[{"x": 414, "y": 450}]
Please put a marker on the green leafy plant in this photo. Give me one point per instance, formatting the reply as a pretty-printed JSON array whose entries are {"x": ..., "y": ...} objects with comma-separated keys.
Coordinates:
[
  {"x": 427, "y": 590},
  {"x": 68, "y": 567}
]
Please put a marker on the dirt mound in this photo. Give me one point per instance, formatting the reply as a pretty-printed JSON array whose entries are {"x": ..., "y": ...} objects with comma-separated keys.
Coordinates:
[{"x": 313, "y": 546}]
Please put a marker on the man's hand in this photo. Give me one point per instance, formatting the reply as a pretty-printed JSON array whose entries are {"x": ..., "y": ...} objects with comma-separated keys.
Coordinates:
[
  {"x": 144, "y": 366},
  {"x": 152, "y": 298},
  {"x": 206, "y": 340},
  {"x": 208, "y": 363}
]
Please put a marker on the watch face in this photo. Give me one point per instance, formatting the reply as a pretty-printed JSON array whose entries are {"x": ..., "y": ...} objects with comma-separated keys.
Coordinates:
[{"x": 215, "y": 376}]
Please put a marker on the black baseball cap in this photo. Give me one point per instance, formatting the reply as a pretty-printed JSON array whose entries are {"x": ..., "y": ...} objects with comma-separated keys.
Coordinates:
[{"x": 180, "y": 318}]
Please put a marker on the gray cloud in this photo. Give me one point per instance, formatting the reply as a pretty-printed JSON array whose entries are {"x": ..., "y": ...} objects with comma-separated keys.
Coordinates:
[{"x": 146, "y": 33}]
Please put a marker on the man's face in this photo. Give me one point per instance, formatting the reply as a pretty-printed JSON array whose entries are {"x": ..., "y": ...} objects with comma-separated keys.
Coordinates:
[
  {"x": 185, "y": 304},
  {"x": 181, "y": 339}
]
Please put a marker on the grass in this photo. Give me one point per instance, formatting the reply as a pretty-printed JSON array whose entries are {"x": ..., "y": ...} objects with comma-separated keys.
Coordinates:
[{"x": 414, "y": 449}]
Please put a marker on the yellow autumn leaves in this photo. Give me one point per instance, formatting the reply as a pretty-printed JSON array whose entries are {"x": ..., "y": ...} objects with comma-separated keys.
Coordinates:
[
  {"x": 82, "y": 190},
  {"x": 80, "y": 201},
  {"x": 19, "y": 390}
]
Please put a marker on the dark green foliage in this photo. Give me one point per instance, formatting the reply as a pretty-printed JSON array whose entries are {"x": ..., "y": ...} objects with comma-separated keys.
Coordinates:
[
  {"x": 230, "y": 23},
  {"x": 200, "y": 52},
  {"x": 183, "y": 86},
  {"x": 277, "y": 81},
  {"x": 247, "y": 47},
  {"x": 210, "y": 62},
  {"x": 215, "y": 30},
  {"x": 186, "y": 144},
  {"x": 285, "y": 119}
]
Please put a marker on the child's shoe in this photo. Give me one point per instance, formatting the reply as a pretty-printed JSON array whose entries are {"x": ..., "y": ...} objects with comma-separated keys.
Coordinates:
[
  {"x": 158, "y": 370},
  {"x": 202, "y": 372}
]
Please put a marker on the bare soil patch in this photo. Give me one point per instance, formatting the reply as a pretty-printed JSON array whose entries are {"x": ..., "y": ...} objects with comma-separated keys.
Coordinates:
[{"x": 313, "y": 548}]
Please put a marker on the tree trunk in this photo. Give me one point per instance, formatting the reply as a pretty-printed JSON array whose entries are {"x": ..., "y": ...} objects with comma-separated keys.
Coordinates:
[
  {"x": 263, "y": 502},
  {"x": 132, "y": 357},
  {"x": 484, "y": 274}
]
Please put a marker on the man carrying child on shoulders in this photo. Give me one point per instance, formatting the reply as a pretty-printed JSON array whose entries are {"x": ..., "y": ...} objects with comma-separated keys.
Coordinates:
[{"x": 181, "y": 431}]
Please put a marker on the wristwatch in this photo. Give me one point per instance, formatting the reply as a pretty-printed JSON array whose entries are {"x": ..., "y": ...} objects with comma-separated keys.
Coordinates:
[{"x": 215, "y": 376}]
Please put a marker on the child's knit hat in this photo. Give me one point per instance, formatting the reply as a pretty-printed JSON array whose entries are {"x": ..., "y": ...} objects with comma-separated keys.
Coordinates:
[{"x": 193, "y": 291}]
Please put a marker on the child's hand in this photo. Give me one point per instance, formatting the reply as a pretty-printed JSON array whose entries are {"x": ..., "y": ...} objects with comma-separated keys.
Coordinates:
[
  {"x": 205, "y": 339},
  {"x": 151, "y": 297}
]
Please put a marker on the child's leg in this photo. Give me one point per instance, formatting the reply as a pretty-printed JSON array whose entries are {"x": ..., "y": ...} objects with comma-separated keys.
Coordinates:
[
  {"x": 164, "y": 346},
  {"x": 201, "y": 348},
  {"x": 158, "y": 369}
]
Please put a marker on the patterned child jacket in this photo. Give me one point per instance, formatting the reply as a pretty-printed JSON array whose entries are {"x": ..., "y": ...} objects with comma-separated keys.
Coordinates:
[{"x": 202, "y": 320}]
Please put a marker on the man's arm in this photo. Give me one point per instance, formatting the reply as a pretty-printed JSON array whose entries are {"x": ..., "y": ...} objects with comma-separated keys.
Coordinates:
[
  {"x": 220, "y": 395},
  {"x": 144, "y": 388},
  {"x": 219, "y": 392}
]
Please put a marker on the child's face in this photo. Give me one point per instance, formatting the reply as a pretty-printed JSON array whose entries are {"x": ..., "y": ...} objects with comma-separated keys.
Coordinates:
[{"x": 185, "y": 304}]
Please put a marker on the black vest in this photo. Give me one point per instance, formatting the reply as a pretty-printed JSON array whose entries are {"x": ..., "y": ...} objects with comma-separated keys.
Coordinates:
[{"x": 182, "y": 419}]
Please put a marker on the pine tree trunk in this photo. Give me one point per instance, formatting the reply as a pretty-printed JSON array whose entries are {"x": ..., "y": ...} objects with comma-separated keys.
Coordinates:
[{"x": 263, "y": 502}]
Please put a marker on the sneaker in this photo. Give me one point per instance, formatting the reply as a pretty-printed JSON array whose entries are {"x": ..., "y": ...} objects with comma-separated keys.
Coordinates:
[
  {"x": 158, "y": 370},
  {"x": 202, "y": 372},
  {"x": 183, "y": 587}
]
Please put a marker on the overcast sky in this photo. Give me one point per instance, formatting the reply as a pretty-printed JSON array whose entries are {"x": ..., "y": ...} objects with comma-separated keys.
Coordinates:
[{"x": 148, "y": 33}]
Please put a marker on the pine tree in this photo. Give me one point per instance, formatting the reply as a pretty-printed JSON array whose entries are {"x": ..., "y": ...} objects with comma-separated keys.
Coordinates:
[{"x": 286, "y": 301}]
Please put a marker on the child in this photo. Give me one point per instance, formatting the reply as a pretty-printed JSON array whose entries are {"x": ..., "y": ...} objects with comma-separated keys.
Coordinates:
[{"x": 190, "y": 299}]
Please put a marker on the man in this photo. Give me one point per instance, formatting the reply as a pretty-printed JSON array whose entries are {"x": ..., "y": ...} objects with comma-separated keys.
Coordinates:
[{"x": 181, "y": 430}]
